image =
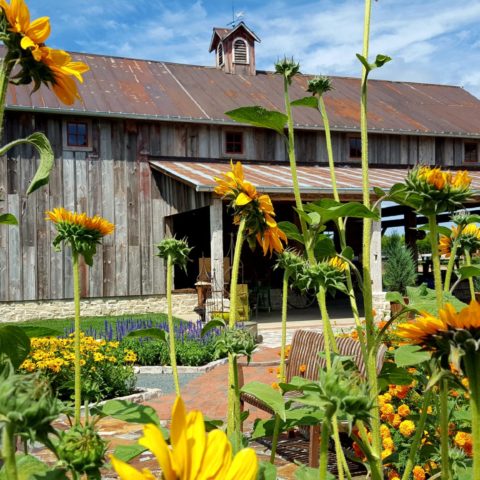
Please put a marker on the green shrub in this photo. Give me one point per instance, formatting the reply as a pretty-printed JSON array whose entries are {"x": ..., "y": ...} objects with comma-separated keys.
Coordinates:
[
  {"x": 400, "y": 270},
  {"x": 190, "y": 352}
]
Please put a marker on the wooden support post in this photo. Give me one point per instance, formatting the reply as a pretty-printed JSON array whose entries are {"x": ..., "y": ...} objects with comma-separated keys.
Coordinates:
[
  {"x": 411, "y": 233},
  {"x": 216, "y": 248},
  {"x": 376, "y": 257}
]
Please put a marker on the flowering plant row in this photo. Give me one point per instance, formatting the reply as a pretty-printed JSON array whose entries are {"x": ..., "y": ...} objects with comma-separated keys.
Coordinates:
[{"x": 107, "y": 370}]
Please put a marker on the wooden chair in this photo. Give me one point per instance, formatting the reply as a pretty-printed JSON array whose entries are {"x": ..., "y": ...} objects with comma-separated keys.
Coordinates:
[{"x": 305, "y": 349}]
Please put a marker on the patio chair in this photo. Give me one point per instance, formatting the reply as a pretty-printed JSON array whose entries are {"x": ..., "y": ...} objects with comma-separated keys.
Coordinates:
[{"x": 305, "y": 348}]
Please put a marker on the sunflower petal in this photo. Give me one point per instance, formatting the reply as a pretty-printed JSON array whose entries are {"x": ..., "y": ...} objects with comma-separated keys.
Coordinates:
[
  {"x": 154, "y": 441},
  {"x": 127, "y": 472},
  {"x": 244, "y": 466}
]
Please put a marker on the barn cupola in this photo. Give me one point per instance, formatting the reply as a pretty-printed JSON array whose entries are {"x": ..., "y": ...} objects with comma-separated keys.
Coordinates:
[{"x": 234, "y": 49}]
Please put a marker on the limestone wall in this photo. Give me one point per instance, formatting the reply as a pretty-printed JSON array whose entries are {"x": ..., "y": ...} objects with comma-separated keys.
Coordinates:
[{"x": 182, "y": 305}]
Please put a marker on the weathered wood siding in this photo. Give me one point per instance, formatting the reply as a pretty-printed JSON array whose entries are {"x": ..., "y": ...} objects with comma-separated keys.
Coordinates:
[{"x": 114, "y": 180}]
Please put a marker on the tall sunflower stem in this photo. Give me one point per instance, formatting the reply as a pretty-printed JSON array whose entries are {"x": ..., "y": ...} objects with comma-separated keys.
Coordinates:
[
  {"x": 234, "y": 414},
  {"x": 276, "y": 434},
  {"x": 468, "y": 262},
  {"x": 327, "y": 328},
  {"x": 171, "y": 327},
  {"x": 445, "y": 461},
  {"x": 6, "y": 67},
  {"x": 437, "y": 274},
  {"x": 371, "y": 350},
  {"x": 323, "y": 461},
  {"x": 8, "y": 452},
  {"x": 283, "y": 348},
  {"x": 451, "y": 263},
  {"x": 418, "y": 436},
  {"x": 77, "y": 333},
  {"x": 336, "y": 196},
  {"x": 472, "y": 367}
]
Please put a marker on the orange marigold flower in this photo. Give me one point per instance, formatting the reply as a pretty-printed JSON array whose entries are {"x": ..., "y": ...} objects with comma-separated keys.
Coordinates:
[
  {"x": 406, "y": 428},
  {"x": 302, "y": 368},
  {"x": 395, "y": 420},
  {"x": 418, "y": 473},
  {"x": 393, "y": 475},
  {"x": 404, "y": 410},
  {"x": 275, "y": 386},
  {"x": 464, "y": 441}
]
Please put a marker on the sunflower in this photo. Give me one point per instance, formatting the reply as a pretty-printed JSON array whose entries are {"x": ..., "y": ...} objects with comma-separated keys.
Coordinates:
[
  {"x": 432, "y": 190},
  {"x": 79, "y": 230},
  {"x": 193, "y": 454},
  {"x": 33, "y": 33},
  {"x": 468, "y": 238},
  {"x": 256, "y": 209},
  {"x": 271, "y": 240},
  {"x": 338, "y": 264},
  {"x": 63, "y": 69}
]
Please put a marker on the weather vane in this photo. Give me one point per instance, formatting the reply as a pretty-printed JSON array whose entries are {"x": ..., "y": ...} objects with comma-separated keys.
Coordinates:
[{"x": 236, "y": 17}]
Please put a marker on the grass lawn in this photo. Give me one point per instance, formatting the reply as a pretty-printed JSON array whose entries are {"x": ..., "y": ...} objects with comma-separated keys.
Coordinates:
[{"x": 99, "y": 324}]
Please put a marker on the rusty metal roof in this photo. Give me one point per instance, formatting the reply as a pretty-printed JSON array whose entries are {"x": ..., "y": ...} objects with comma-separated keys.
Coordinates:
[
  {"x": 276, "y": 178},
  {"x": 129, "y": 88}
]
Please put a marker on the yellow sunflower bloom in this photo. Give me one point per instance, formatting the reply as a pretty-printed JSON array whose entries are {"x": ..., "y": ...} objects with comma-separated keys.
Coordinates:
[
  {"x": 271, "y": 240},
  {"x": 33, "y": 33},
  {"x": 418, "y": 330},
  {"x": 231, "y": 182},
  {"x": 63, "y": 69},
  {"x": 96, "y": 223},
  {"x": 193, "y": 455},
  {"x": 338, "y": 264},
  {"x": 461, "y": 180}
]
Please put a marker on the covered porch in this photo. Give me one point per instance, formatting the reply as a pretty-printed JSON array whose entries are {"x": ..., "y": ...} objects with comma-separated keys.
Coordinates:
[{"x": 198, "y": 214}]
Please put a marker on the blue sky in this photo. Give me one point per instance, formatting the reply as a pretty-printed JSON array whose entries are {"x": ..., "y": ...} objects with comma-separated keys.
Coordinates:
[{"x": 436, "y": 41}]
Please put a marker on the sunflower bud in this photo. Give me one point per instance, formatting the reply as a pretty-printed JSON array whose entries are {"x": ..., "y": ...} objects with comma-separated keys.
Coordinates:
[
  {"x": 82, "y": 450},
  {"x": 319, "y": 86},
  {"x": 288, "y": 68},
  {"x": 177, "y": 249},
  {"x": 27, "y": 403}
]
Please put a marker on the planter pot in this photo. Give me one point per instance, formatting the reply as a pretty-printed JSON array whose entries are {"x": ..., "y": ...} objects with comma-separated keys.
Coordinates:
[
  {"x": 396, "y": 307},
  {"x": 477, "y": 297}
]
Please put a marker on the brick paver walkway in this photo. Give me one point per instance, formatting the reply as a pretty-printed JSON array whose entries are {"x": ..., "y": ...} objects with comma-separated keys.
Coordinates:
[{"x": 208, "y": 392}]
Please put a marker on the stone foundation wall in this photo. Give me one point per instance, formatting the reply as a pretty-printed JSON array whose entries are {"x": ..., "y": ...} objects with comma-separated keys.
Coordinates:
[{"x": 182, "y": 306}]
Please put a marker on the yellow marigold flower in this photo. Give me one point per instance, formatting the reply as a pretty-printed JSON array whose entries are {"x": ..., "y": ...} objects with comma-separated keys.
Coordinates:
[
  {"x": 386, "y": 410},
  {"x": 406, "y": 428},
  {"x": 384, "y": 431},
  {"x": 386, "y": 453},
  {"x": 338, "y": 264},
  {"x": 193, "y": 454},
  {"x": 404, "y": 410},
  {"x": 387, "y": 443},
  {"x": 33, "y": 33},
  {"x": 418, "y": 473}
]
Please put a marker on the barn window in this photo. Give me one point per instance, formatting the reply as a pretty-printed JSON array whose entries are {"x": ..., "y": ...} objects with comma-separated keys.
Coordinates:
[
  {"x": 77, "y": 134},
  {"x": 220, "y": 54},
  {"x": 355, "y": 146},
  {"x": 234, "y": 143},
  {"x": 471, "y": 152},
  {"x": 240, "y": 52}
]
